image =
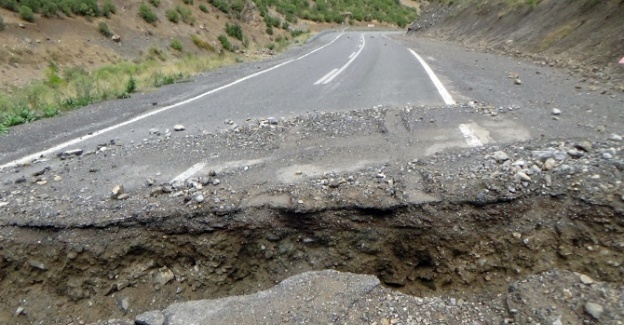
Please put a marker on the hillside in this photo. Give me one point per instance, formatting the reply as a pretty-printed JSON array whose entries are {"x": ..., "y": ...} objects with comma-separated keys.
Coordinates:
[{"x": 584, "y": 36}]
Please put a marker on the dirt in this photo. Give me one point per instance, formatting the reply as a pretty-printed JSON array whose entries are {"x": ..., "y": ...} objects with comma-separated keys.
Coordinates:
[
  {"x": 458, "y": 224},
  {"x": 584, "y": 37}
]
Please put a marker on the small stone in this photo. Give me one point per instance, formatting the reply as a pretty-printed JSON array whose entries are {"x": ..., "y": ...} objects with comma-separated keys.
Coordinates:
[
  {"x": 179, "y": 127},
  {"x": 117, "y": 190},
  {"x": 163, "y": 276},
  {"x": 550, "y": 164},
  {"x": 520, "y": 176},
  {"x": 594, "y": 309},
  {"x": 607, "y": 155},
  {"x": 150, "y": 318},
  {"x": 300, "y": 202},
  {"x": 601, "y": 128},
  {"x": 518, "y": 82},
  {"x": 37, "y": 265},
  {"x": 124, "y": 304},
  {"x": 123, "y": 196},
  {"x": 575, "y": 153},
  {"x": 19, "y": 311},
  {"x": 272, "y": 120},
  {"x": 586, "y": 279},
  {"x": 500, "y": 156},
  {"x": 517, "y": 235},
  {"x": 548, "y": 180},
  {"x": 615, "y": 137},
  {"x": 199, "y": 198},
  {"x": 154, "y": 131},
  {"x": 42, "y": 182},
  {"x": 556, "y": 111},
  {"x": 557, "y": 321},
  {"x": 57, "y": 178},
  {"x": 584, "y": 145},
  {"x": 216, "y": 182},
  {"x": 298, "y": 172}
]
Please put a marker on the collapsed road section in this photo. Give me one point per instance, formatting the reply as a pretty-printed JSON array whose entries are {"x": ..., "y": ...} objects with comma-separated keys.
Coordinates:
[{"x": 482, "y": 226}]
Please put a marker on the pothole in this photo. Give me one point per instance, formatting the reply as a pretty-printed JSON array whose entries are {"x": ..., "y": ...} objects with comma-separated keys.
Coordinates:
[{"x": 60, "y": 276}]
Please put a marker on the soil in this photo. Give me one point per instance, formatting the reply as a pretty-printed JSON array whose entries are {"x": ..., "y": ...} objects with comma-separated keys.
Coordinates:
[{"x": 584, "y": 37}]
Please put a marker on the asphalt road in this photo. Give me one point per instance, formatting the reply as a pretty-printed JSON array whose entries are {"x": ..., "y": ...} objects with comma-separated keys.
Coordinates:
[{"x": 339, "y": 71}]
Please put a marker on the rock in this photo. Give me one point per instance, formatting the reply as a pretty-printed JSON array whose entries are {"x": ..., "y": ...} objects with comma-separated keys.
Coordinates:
[
  {"x": 607, "y": 155},
  {"x": 585, "y": 146},
  {"x": 556, "y": 111},
  {"x": 543, "y": 155},
  {"x": 518, "y": 82},
  {"x": 123, "y": 196},
  {"x": 557, "y": 321},
  {"x": 198, "y": 198},
  {"x": 615, "y": 137},
  {"x": 272, "y": 120},
  {"x": 520, "y": 176},
  {"x": 586, "y": 279},
  {"x": 150, "y": 318},
  {"x": 575, "y": 153},
  {"x": 124, "y": 304},
  {"x": 163, "y": 276},
  {"x": 154, "y": 131},
  {"x": 57, "y": 178},
  {"x": 116, "y": 38},
  {"x": 21, "y": 25},
  {"x": 37, "y": 265},
  {"x": 500, "y": 156},
  {"x": 117, "y": 191},
  {"x": 19, "y": 311},
  {"x": 179, "y": 127},
  {"x": 550, "y": 164},
  {"x": 594, "y": 309}
]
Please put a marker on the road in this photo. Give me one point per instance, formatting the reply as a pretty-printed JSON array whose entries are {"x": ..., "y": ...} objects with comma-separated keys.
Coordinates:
[{"x": 338, "y": 72}]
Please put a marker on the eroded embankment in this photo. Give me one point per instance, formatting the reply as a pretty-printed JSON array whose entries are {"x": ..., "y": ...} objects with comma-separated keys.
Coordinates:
[{"x": 461, "y": 249}]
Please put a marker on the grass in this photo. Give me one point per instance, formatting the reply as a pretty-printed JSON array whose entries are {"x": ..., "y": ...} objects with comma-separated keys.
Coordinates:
[
  {"x": 147, "y": 14},
  {"x": 103, "y": 28},
  {"x": 176, "y": 45},
  {"x": 235, "y": 31},
  {"x": 2, "y": 26},
  {"x": 71, "y": 88}
]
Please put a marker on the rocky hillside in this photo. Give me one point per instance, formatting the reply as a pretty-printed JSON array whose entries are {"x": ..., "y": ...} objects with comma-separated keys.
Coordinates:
[{"x": 585, "y": 36}]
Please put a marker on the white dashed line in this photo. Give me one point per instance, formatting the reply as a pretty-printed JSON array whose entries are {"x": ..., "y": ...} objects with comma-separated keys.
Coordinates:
[
  {"x": 188, "y": 173},
  {"x": 443, "y": 92},
  {"x": 469, "y": 134},
  {"x": 326, "y": 76},
  {"x": 328, "y": 80}
]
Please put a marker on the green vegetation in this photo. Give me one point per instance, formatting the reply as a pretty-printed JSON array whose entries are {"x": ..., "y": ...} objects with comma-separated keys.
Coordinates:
[
  {"x": 225, "y": 43},
  {"x": 104, "y": 29},
  {"x": 186, "y": 14},
  {"x": 176, "y": 44},
  {"x": 1, "y": 24},
  {"x": 203, "y": 8},
  {"x": 234, "y": 31},
  {"x": 147, "y": 14},
  {"x": 172, "y": 15},
  {"x": 188, "y": 2},
  {"x": 108, "y": 9},
  {"x": 202, "y": 44},
  {"x": 26, "y": 13},
  {"x": 155, "y": 3},
  {"x": 228, "y": 6}
]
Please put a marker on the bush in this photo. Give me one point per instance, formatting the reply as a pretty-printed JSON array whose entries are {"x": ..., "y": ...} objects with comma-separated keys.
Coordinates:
[
  {"x": 26, "y": 13},
  {"x": 155, "y": 3},
  {"x": 131, "y": 85},
  {"x": 104, "y": 29},
  {"x": 188, "y": 2},
  {"x": 186, "y": 14},
  {"x": 269, "y": 30},
  {"x": 202, "y": 44},
  {"x": 176, "y": 45},
  {"x": 147, "y": 14},
  {"x": 203, "y": 8},
  {"x": 234, "y": 31},
  {"x": 172, "y": 15},
  {"x": 2, "y": 26},
  {"x": 108, "y": 9},
  {"x": 225, "y": 42},
  {"x": 222, "y": 5}
]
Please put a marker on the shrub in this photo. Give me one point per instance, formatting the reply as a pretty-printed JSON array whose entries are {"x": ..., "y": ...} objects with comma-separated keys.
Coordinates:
[
  {"x": 155, "y": 3},
  {"x": 186, "y": 14},
  {"x": 188, "y": 2},
  {"x": 108, "y": 9},
  {"x": 222, "y": 5},
  {"x": 131, "y": 85},
  {"x": 48, "y": 9},
  {"x": 2, "y": 26},
  {"x": 271, "y": 21},
  {"x": 202, "y": 44},
  {"x": 203, "y": 8},
  {"x": 225, "y": 42},
  {"x": 104, "y": 29},
  {"x": 26, "y": 13},
  {"x": 172, "y": 15},
  {"x": 176, "y": 45},
  {"x": 234, "y": 31},
  {"x": 147, "y": 14},
  {"x": 269, "y": 30}
]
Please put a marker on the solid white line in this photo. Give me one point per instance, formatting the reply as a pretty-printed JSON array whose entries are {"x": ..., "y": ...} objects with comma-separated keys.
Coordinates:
[
  {"x": 322, "y": 47},
  {"x": 346, "y": 65},
  {"x": 138, "y": 118},
  {"x": 443, "y": 92},
  {"x": 352, "y": 54},
  {"x": 188, "y": 173},
  {"x": 329, "y": 74},
  {"x": 470, "y": 136}
]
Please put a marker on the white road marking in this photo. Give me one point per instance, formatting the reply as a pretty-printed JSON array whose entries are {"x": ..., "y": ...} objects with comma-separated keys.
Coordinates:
[
  {"x": 352, "y": 54},
  {"x": 443, "y": 92},
  {"x": 469, "y": 134},
  {"x": 326, "y": 76},
  {"x": 320, "y": 48},
  {"x": 188, "y": 173},
  {"x": 347, "y": 64},
  {"x": 75, "y": 141}
]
